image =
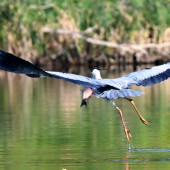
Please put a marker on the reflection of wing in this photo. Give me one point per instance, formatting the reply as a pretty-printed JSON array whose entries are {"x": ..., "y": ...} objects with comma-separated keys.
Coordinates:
[
  {"x": 146, "y": 77},
  {"x": 10, "y": 62}
]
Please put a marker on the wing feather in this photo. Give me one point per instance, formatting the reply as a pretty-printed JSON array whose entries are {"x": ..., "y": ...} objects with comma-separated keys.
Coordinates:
[{"x": 146, "y": 77}]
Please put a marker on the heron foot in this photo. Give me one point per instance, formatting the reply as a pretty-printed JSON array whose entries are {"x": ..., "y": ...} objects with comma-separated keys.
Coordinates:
[
  {"x": 127, "y": 132},
  {"x": 144, "y": 121}
]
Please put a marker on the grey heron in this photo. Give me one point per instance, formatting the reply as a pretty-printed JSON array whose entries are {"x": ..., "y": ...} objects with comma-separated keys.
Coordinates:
[{"x": 108, "y": 89}]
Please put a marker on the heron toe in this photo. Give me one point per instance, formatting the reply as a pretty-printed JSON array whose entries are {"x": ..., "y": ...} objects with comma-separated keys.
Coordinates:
[
  {"x": 144, "y": 121},
  {"x": 127, "y": 132}
]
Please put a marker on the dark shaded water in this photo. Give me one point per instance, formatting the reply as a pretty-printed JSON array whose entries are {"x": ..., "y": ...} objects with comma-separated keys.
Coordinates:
[{"x": 43, "y": 127}]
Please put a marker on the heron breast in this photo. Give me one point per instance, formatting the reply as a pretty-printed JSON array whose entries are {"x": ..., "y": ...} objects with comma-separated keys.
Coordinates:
[{"x": 87, "y": 93}]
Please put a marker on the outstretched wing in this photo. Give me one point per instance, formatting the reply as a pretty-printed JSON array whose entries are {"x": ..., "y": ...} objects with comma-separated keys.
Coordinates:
[
  {"x": 11, "y": 63},
  {"x": 146, "y": 77},
  {"x": 85, "y": 81},
  {"x": 77, "y": 79}
]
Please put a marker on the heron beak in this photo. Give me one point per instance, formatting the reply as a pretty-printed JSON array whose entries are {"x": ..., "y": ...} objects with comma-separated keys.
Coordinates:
[
  {"x": 103, "y": 69},
  {"x": 84, "y": 102}
]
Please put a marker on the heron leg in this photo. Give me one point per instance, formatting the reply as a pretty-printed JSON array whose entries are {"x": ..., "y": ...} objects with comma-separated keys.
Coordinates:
[
  {"x": 127, "y": 132},
  {"x": 140, "y": 116}
]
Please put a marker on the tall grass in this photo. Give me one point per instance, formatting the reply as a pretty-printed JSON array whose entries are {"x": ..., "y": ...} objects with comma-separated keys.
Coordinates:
[{"x": 118, "y": 21}]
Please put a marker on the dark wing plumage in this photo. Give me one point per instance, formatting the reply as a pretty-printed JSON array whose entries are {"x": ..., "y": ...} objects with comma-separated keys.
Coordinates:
[
  {"x": 11, "y": 63},
  {"x": 146, "y": 77}
]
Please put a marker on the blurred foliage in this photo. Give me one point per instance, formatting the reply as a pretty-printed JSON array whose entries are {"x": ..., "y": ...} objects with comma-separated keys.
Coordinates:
[{"x": 118, "y": 21}]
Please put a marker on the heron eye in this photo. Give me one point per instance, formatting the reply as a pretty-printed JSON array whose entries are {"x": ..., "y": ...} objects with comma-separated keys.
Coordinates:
[{"x": 147, "y": 68}]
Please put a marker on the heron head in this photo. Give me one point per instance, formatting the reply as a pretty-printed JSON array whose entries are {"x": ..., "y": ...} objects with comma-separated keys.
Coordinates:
[{"x": 96, "y": 74}]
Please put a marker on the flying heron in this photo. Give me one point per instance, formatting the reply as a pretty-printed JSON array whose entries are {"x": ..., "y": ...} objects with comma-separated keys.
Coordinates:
[{"x": 108, "y": 89}]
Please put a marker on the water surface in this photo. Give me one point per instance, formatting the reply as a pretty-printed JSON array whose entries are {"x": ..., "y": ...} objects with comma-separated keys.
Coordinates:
[{"x": 43, "y": 127}]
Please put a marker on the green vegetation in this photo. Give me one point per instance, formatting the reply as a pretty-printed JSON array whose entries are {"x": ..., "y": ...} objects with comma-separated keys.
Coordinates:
[{"x": 118, "y": 22}]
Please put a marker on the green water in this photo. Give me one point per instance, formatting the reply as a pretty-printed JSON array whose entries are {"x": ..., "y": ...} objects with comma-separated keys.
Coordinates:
[{"x": 43, "y": 127}]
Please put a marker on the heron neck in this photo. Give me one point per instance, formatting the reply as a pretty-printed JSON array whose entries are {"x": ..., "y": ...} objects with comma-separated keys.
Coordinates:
[{"x": 97, "y": 77}]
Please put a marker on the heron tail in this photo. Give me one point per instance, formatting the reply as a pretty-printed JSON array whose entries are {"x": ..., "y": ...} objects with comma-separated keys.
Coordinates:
[
  {"x": 84, "y": 102},
  {"x": 114, "y": 94},
  {"x": 11, "y": 63}
]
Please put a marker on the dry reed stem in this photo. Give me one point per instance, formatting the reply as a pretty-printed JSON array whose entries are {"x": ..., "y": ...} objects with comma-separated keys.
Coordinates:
[{"x": 125, "y": 47}]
